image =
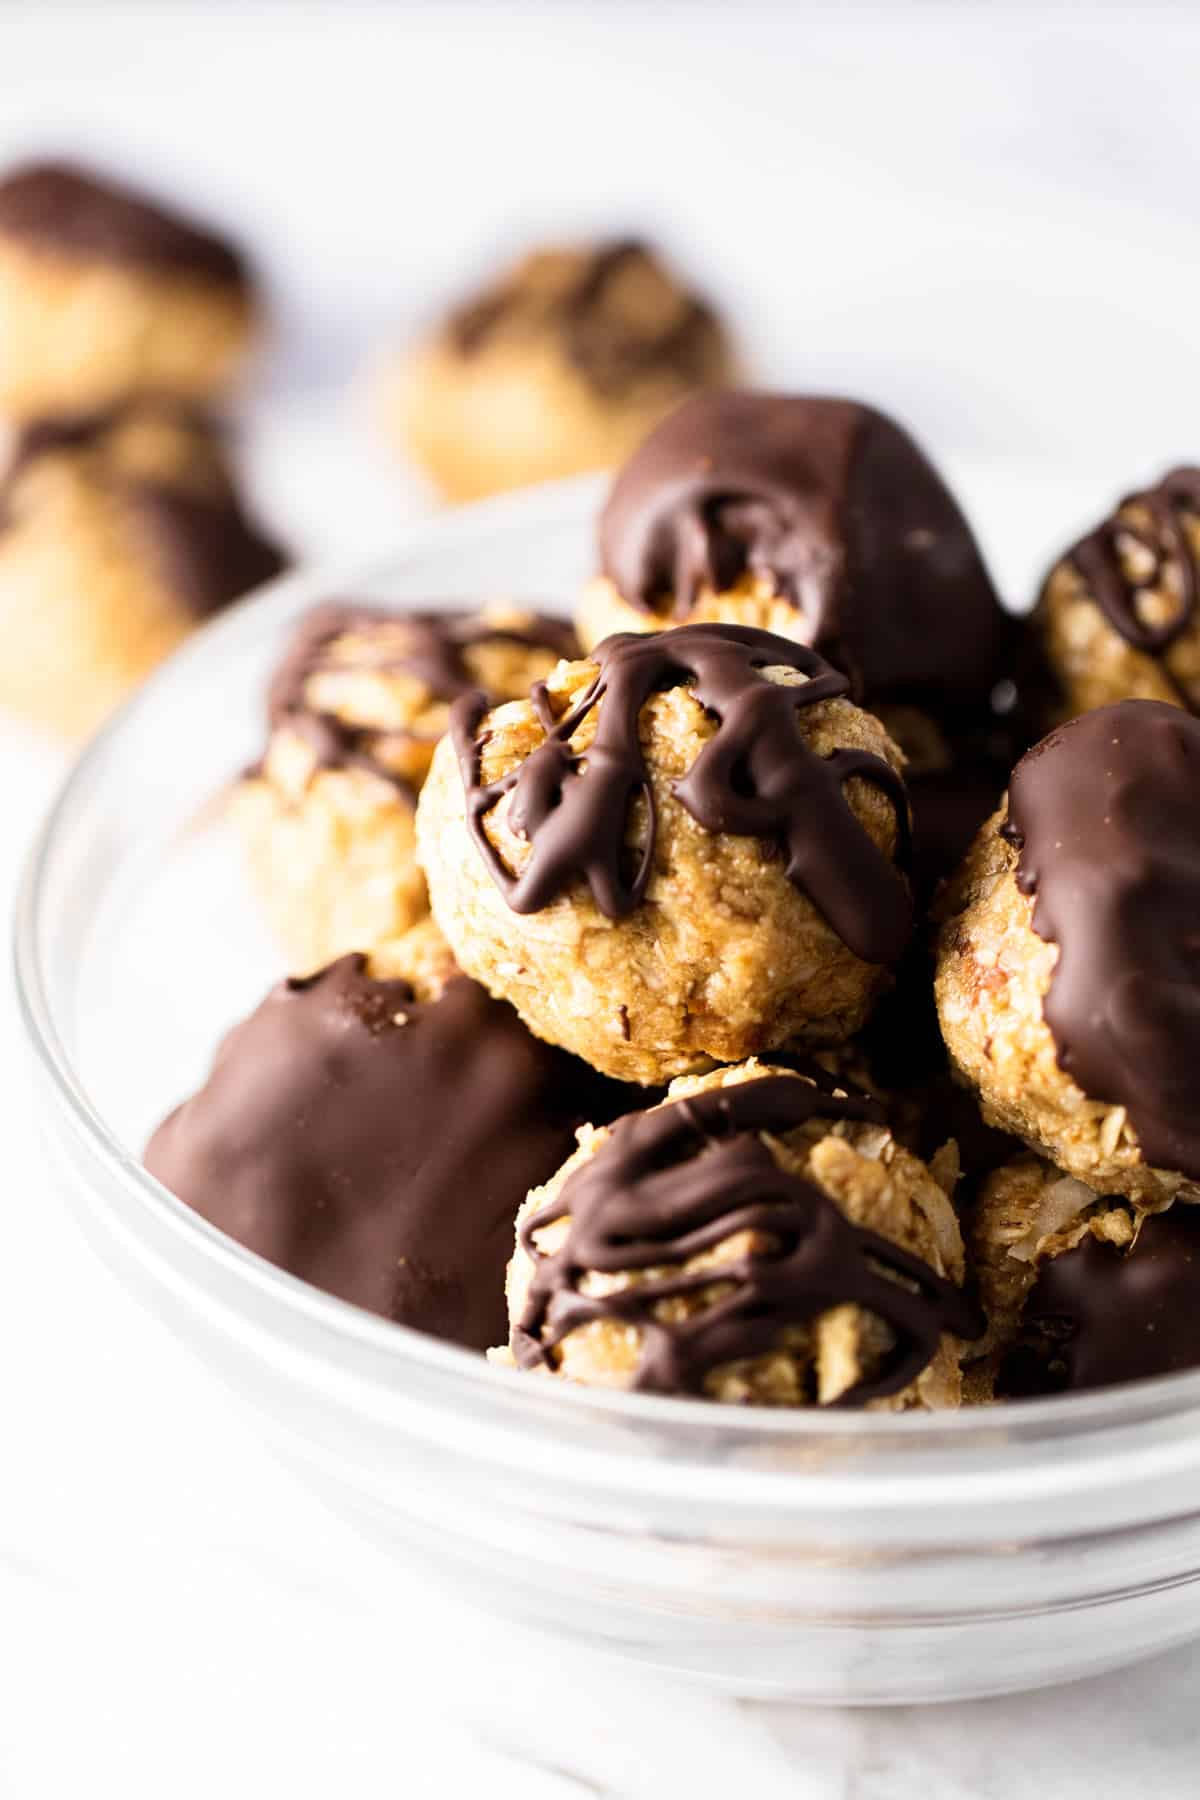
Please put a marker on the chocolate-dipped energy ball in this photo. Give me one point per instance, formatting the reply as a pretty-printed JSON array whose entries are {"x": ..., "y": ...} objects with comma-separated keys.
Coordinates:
[
  {"x": 822, "y": 520},
  {"x": 756, "y": 1238},
  {"x": 373, "y": 1129},
  {"x": 1082, "y": 1290},
  {"x": 561, "y": 365},
  {"x": 119, "y": 534},
  {"x": 1068, "y": 983},
  {"x": 817, "y": 518},
  {"x": 683, "y": 850},
  {"x": 355, "y": 710},
  {"x": 105, "y": 296},
  {"x": 1117, "y": 618}
]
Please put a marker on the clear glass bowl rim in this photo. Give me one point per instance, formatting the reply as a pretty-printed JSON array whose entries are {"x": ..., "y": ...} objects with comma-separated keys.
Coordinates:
[{"x": 468, "y": 1380}]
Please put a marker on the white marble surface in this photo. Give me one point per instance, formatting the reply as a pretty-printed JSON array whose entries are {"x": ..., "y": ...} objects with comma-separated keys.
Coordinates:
[{"x": 984, "y": 218}]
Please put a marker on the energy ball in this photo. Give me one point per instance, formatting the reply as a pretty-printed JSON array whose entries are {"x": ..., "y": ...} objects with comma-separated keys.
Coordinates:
[
  {"x": 684, "y": 850},
  {"x": 560, "y": 366},
  {"x": 821, "y": 520},
  {"x": 1067, "y": 979},
  {"x": 1117, "y": 617},
  {"x": 373, "y": 1129},
  {"x": 355, "y": 710},
  {"x": 757, "y": 1238},
  {"x": 1082, "y": 1290},
  {"x": 119, "y": 534},
  {"x": 104, "y": 296}
]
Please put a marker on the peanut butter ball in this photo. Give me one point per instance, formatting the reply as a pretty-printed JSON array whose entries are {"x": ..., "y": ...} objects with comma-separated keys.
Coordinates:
[
  {"x": 355, "y": 709},
  {"x": 560, "y": 366},
  {"x": 105, "y": 297},
  {"x": 119, "y": 534},
  {"x": 1067, "y": 984},
  {"x": 757, "y": 1238},
  {"x": 373, "y": 1128},
  {"x": 822, "y": 520},
  {"x": 682, "y": 851},
  {"x": 1117, "y": 617},
  {"x": 1081, "y": 1290}
]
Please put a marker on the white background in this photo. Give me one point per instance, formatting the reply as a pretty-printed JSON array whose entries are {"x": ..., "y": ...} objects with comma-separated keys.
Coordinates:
[{"x": 983, "y": 217}]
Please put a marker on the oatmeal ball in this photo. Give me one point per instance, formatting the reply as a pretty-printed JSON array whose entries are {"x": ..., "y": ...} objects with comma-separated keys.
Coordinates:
[
  {"x": 1081, "y": 1290},
  {"x": 373, "y": 1129},
  {"x": 560, "y": 366},
  {"x": 119, "y": 534},
  {"x": 822, "y": 520},
  {"x": 1067, "y": 982},
  {"x": 355, "y": 710},
  {"x": 104, "y": 297},
  {"x": 1117, "y": 617},
  {"x": 684, "y": 850},
  {"x": 756, "y": 1238}
]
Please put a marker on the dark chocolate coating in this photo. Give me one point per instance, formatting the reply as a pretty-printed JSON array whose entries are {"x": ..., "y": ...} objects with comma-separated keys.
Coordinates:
[
  {"x": 207, "y": 548},
  {"x": 612, "y": 351},
  {"x": 380, "y": 1147},
  {"x": 1105, "y": 813},
  {"x": 1097, "y": 558},
  {"x": 838, "y": 507},
  {"x": 432, "y": 653},
  {"x": 60, "y": 206},
  {"x": 1099, "y": 1315},
  {"x": 753, "y": 777},
  {"x": 674, "y": 1182}
]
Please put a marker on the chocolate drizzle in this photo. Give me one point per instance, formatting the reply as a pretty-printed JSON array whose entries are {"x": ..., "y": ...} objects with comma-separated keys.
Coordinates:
[
  {"x": 754, "y": 777},
  {"x": 66, "y": 208},
  {"x": 378, "y": 1146},
  {"x": 673, "y": 1183},
  {"x": 609, "y": 345},
  {"x": 836, "y": 507},
  {"x": 207, "y": 548},
  {"x": 432, "y": 652},
  {"x": 1099, "y": 1315},
  {"x": 1105, "y": 813},
  {"x": 1165, "y": 541}
]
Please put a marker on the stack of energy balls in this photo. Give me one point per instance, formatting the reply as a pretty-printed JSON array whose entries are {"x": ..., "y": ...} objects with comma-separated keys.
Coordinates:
[
  {"x": 123, "y": 331},
  {"x": 739, "y": 980}
]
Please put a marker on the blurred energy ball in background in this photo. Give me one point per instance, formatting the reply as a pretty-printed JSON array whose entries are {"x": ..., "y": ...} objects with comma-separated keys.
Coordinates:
[{"x": 561, "y": 364}]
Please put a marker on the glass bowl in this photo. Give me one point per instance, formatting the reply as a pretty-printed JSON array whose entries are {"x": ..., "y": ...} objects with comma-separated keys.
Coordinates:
[{"x": 823, "y": 1557}]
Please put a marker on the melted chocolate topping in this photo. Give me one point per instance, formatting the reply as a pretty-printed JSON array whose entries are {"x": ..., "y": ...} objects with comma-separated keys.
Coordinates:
[
  {"x": 1105, "y": 813},
  {"x": 433, "y": 653},
  {"x": 1099, "y": 1315},
  {"x": 379, "y": 1147},
  {"x": 1164, "y": 538},
  {"x": 753, "y": 778},
  {"x": 65, "y": 208},
  {"x": 210, "y": 550},
  {"x": 611, "y": 348},
  {"x": 674, "y": 1182},
  {"x": 837, "y": 507},
  {"x": 207, "y": 548}
]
